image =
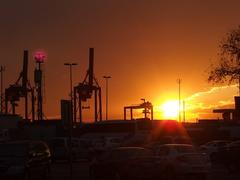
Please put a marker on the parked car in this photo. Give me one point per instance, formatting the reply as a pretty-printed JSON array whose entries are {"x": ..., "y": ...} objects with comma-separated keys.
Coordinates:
[
  {"x": 24, "y": 160},
  {"x": 233, "y": 154},
  {"x": 168, "y": 140},
  {"x": 125, "y": 163},
  {"x": 213, "y": 147},
  {"x": 183, "y": 160},
  {"x": 229, "y": 156},
  {"x": 104, "y": 143},
  {"x": 60, "y": 148},
  {"x": 112, "y": 142},
  {"x": 136, "y": 140}
]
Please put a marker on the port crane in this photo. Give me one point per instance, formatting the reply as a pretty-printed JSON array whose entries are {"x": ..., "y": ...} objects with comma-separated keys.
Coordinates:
[
  {"x": 20, "y": 89},
  {"x": 146, "y": 106},
  {"x": 85, "y": 90}
]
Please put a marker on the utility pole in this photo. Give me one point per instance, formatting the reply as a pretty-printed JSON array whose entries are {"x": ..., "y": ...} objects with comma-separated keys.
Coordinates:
[
  {"x": 71, "y": 116},
  {"x": 106, "y": 78},
  {"x": 2, "y": 68},
  {"x": 179, "y": 99}
]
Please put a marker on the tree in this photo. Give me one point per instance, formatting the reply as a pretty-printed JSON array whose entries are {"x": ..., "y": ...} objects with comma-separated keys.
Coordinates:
[{"x": 228, "y": 67}]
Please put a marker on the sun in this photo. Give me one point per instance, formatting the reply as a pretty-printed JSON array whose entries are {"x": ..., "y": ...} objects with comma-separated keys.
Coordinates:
[{"x": 170, "y": 109}]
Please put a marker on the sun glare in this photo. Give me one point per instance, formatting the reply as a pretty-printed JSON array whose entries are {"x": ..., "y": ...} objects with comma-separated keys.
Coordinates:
[{"x": 170, "y": 109}]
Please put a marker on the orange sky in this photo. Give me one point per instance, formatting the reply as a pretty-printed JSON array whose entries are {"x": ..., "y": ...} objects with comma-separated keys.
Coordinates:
[{"x": 145, "y": 45}]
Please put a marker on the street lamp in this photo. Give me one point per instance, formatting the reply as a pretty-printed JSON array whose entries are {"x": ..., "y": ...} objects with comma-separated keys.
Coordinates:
[
  {"x": 106, "y": 78},
  {"x": 70, "y": 68},
  {"x": 179, "y": 81},
  {"x": 71, "y": 117}
]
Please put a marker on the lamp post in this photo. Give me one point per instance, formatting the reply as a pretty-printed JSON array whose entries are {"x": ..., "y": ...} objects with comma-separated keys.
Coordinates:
[
  {"x": 70, "y": 69},
  {"x": 71, "y": 116},
  {"x": 106, "y": 78},
  {"x": 179, "y": 99}
]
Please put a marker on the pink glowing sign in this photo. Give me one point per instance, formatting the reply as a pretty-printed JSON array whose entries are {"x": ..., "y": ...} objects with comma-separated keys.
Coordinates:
[{"x": 40, "y": 56}]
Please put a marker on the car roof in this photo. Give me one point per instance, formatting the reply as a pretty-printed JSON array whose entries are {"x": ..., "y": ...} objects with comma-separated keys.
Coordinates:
[
  {"x": 125, "y": 148},
  {"x": 176, "y": 145},
  {"x": 234, "y": 143},
  {"x": 73, "y": 138},
  {"x": 215, "y": 141}
]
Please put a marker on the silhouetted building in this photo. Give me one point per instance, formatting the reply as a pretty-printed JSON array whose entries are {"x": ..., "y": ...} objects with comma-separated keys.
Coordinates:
[{"x": 231, "y": 114}]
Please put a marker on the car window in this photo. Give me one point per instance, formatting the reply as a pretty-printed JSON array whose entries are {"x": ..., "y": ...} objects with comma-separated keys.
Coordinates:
[
  {"x": 38, "y": 149},
  {"x": 42, "y": 146},
  {"x": 34, "y": 148}
]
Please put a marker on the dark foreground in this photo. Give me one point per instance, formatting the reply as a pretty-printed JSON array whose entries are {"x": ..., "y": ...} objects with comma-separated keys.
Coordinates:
[{"x": 61, "y": 171}]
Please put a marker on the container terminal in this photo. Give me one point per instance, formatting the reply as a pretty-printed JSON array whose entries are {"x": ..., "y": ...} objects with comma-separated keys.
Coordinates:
[{"x": 34, "y": 125}]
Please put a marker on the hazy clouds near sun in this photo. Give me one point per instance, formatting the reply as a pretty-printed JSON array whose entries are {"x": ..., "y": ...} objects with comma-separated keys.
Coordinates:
[{"x": 202, "y": 103}]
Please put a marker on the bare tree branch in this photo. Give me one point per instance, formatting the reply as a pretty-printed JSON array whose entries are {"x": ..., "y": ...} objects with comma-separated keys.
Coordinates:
[{"x": 228, "y": 67}]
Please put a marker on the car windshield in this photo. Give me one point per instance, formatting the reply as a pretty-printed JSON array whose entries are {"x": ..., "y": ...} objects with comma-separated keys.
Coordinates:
[{"x": 13, "y": 150}]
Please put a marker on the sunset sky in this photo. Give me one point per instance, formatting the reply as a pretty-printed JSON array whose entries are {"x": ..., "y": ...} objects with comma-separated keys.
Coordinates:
[{"x": 145, "y": 45}]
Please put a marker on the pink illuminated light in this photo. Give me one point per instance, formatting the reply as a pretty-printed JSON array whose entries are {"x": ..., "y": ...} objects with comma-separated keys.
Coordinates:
[{"x": 40, "y": 56}]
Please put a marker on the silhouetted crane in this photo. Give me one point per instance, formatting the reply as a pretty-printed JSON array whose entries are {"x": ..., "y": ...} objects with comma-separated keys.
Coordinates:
[
  {"x": 15, "y": 91},
  {"x": 84, "y": 91},
  {"x": 146, "y": 106}
]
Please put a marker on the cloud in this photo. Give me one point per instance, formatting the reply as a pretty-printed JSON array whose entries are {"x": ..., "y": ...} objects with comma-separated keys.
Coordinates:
[
  {"x": 213, "y": 90},
  {"x": 201, "y": 104}
]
